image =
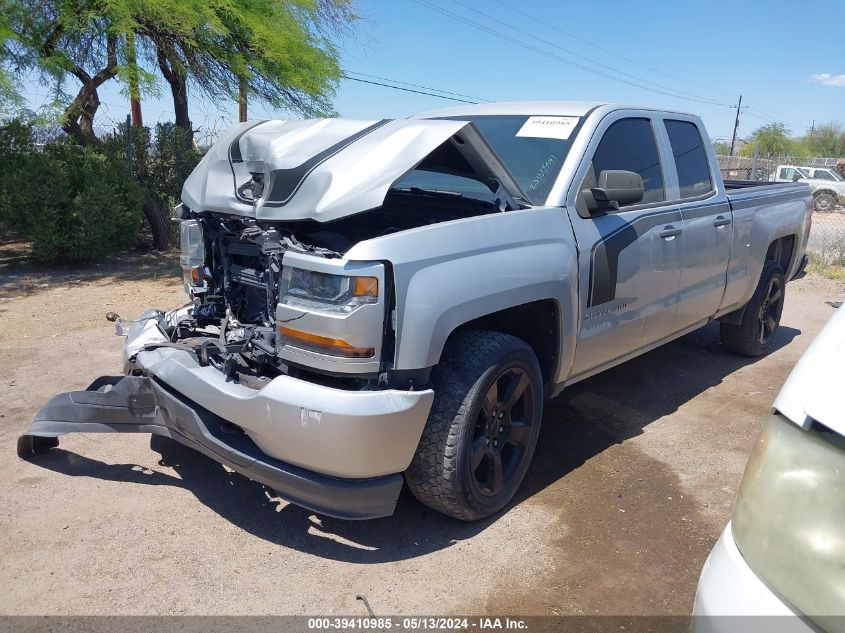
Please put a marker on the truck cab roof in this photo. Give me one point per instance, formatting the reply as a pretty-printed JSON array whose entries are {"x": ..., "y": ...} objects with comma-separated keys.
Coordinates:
[{"x": 548, "y": 108}]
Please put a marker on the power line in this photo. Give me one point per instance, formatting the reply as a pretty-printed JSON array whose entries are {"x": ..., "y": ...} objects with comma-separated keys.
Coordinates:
[
  {"x": 405, "y": 83},
  {"x": 419, "y": 92},
  {"x": 547, "y": 54},
  {"x": 762, "y": 116},
  {"x": 624, "y": 58},
  {"x": 607, "y": 50},
  {"x": 588, "y": 59}
]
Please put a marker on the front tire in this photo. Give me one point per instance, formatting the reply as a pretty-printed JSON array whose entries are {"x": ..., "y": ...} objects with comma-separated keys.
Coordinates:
[
  {"x": 483, "y": 427},
  {"x": 754, "y": 335}
]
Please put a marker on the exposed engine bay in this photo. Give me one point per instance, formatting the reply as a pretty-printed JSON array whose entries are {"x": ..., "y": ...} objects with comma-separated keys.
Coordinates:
[{"x": 233, "y": 270}]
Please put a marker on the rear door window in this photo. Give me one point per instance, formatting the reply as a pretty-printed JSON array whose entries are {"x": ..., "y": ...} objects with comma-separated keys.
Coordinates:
[{"x": 690, "y": 158}]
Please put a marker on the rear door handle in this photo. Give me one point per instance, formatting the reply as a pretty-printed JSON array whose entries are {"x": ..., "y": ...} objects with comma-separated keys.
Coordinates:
[
  {"x": 721, "y": 221},
  {"x": 669, "y": 232}
]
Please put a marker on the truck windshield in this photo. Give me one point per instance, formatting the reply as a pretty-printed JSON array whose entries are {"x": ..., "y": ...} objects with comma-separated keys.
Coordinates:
[{"x": 534, "y": 161}]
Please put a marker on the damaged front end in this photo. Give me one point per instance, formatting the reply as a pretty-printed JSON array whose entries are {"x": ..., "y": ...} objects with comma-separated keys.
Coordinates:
[
  {"x": 281, "y": 366},
  {"x": 265, "y": 304}
]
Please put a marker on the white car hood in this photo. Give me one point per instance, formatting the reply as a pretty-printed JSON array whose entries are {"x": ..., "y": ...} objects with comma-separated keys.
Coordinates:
[
  {"x": 325, "y": 169},
  {"x": 815, "y": 390}
]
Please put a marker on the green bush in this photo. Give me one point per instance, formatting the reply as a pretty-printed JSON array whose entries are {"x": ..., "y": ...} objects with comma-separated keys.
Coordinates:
[
  {"x": 75, "y": 204},
  {"x": 162, "y": 159},
  {"x": 16, "y": 146}
]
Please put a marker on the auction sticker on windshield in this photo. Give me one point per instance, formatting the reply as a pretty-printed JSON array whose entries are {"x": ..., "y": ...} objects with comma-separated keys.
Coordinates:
[{"x": 548, "y": 127}]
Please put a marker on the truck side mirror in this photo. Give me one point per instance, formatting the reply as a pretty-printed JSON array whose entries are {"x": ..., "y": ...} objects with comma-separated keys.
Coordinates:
[{"x": 616, "y": 188}]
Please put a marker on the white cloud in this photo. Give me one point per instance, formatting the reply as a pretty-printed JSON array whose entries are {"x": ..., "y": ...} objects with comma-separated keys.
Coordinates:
[{"x": 827, "y": 79}]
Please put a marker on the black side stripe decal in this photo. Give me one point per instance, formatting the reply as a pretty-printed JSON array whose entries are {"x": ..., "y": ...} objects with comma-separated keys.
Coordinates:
[
  {"x": 286, "y": 182},
  {"x": 604, "y": 257},
  {"x": 692, "y": 213},
  {"x": 235, "y": 156},
  {"x": 235, "y": 146},
  {"x": 745, "y": 202}
]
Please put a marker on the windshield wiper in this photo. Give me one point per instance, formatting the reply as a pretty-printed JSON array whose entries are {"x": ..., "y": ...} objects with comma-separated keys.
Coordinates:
[{"x": 428, "y": 192}]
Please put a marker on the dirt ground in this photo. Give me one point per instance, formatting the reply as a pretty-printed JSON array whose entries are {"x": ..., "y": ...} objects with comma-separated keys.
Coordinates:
[{"x": 633, "y": 481}]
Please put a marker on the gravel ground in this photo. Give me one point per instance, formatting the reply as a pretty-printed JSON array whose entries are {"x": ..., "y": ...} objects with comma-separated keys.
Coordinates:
[{"x": 633, "y": 480}]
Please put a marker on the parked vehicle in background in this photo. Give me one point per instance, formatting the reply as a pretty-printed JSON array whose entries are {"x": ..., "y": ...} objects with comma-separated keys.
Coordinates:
[
  {"x": 827, "y": 186},
  {"x": 823, "y": 173},
  {"x": 783, "y": 553},
  {"x": 790, "y": 173},
  {"x": 379, "y": 302}
]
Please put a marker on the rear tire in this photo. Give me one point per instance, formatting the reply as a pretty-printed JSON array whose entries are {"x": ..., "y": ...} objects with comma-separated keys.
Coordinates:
[
  {"x": 754, "y": 335},
  {"x": 483, "y": 427},
  {"x": 824, "y": 203}
]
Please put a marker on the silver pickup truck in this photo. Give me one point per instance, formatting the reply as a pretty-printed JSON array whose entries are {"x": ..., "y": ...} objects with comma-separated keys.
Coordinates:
[{"x": 379, "y": 302}]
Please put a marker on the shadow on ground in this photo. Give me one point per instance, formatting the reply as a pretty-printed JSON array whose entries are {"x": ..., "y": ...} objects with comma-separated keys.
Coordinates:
[
  {"x": 583, "y": 422},
  {"x": 20, "y": 277}
]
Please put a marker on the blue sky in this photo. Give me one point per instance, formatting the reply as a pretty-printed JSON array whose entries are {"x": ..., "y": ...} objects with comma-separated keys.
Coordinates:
[{"x": 712, "y": 52}]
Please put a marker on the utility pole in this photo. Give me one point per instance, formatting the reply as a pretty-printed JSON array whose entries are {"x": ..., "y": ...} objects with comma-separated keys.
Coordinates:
[{"x": 736, "y": 124}]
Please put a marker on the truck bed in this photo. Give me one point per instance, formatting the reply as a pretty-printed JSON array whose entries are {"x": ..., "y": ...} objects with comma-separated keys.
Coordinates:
[
  {"x": 745, "y": 191},
  {"x": 759, "y": 185}
]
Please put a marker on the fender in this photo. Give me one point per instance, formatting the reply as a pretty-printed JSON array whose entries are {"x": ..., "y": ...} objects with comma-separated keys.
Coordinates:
[
  {"x": 502, "y": 261},
  {"x": 756, "y": 226}
]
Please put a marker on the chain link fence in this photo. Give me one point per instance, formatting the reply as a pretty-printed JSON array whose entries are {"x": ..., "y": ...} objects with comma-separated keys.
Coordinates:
[
  {"x": 826, "y": 246},
  {"x": 763, "y": 168}
]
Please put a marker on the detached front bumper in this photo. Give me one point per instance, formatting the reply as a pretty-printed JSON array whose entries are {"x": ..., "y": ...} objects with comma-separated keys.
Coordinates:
[{"x": 335, "y": 451}]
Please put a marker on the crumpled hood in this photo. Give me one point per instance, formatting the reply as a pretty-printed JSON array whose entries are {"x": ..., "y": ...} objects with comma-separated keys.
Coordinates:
[
  {"x": 323, "y": 169},
  {"x": 813, "y": 390}
]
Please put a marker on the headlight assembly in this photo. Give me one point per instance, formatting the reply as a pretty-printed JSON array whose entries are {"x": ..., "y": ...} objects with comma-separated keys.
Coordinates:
[
  {"x": 332, "y": 303},
  {"x": 325, "y": 292},
  {"x": 789, "y": 516}
]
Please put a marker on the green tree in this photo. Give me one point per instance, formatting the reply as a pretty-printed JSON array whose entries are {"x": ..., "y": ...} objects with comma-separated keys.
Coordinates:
[
  {"x": 281, "y": 49},
  {"x": 10, "y": 100},
  {"x": 826, "y": 140},
  {"x": 772, "y": 138},
  {"x": 722, "y": 148},
  {"x": 279, "y": 52}
]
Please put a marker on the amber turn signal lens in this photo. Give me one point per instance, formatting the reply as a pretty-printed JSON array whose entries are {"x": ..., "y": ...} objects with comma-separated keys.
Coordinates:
[
  {"x": 324, "y": 344},
  {"x": 196, "y": 274},
  {"x": 365, "y": 286}
]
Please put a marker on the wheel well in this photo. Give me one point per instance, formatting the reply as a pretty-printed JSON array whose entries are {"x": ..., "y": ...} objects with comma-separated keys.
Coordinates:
[
  {"x": 823, "y": 191},
  {"x": 780, "y": 251},
  {"x": 536, "y": 323}
]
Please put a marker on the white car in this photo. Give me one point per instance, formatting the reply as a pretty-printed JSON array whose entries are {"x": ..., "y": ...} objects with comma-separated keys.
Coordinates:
[
  {"x": 783, "y": 553},
  {"x": 827, "y": 186},
  {"x": 823, "y": 173}
]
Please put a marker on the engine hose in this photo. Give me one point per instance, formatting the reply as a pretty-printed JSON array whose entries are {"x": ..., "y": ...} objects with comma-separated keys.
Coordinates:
[{"x": 204, "y": 358}]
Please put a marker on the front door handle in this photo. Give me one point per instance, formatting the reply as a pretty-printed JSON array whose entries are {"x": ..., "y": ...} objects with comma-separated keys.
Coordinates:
[
  {"x": 669, "y": 232},
  {"x": 721, "y": 221}
]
